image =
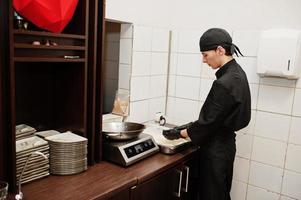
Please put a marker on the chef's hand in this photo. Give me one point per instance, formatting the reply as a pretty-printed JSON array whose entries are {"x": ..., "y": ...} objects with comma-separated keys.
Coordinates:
[{"x": 172, "y": 134}]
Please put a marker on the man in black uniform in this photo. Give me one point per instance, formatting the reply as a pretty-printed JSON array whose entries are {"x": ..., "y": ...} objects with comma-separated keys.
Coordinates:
[{"x": 226, "y": 109}]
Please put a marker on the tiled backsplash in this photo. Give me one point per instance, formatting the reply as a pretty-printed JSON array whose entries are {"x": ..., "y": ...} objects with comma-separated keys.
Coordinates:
[
  {"x": 267, "y": 164},
  {"x": 146, "y": 58}
]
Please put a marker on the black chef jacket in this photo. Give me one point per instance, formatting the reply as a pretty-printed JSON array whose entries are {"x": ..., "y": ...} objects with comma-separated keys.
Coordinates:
[{"x": 227, "y": 108}]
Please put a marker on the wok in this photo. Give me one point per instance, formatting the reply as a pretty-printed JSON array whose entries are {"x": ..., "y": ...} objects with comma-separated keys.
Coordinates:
[{"x": 122, "y": 130}]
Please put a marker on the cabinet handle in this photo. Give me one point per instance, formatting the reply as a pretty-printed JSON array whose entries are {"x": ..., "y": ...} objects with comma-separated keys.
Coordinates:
[
  {"x": 288, "y": 65},
  {"x": 178, "y": 193},
  {"x": 187, "y": 179}
]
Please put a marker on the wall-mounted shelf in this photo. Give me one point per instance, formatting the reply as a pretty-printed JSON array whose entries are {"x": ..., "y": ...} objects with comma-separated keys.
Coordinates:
[
  {"x": 40, "y": 59},
  {"x": 45, "y": 90},
  {"x": 58, "y": 47},
  {"x": 47, "y": 34}
]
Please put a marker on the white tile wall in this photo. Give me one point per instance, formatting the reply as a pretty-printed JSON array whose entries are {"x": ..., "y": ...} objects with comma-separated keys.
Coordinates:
[
  {"x": 187, "y": 87},
  {"x": 124, "y": 76},
  {"x": 174, "y": 41},
  {"x": 247, "y": 41},
  {"x": 265, "y": 176},
  {"x": 291, "y": 184},
  {"x": 150, "y": 68},
  {"x": 186, "y": 109},
  {"x": 238, "y": 190},
  {"x": 297, "y": 103},
  {"x": 140, "y": 88},
  {"x": 173, "y": 62},
  {"x": 159, "y": 63},
  {"x": 248, "y": 64},
  {"x": 126, "y": 31},
  {"x": 125, "y": 53},
  {"x": 286, "y": 198},
  {"x": 156, "y": 105},
  {"x": 171, "y": 85},
  {"x": 189, "y": 65},
  {"x": 293, "y": 158},
  {"x": 188, "y": 41},
  {"x": 254, "y": 95},
  {"x": 255, "y": 193},
  {"x": 142, "y": 38},
  {"x": 244, "y": 145},
  {"x": 275, "y": 99},
  {"x": 295, "y": 131},
  {"x": 274, "y": 126},
  {"x": 269, "y": 151},
  {"x": 298, "y": 84},
  {"x": 160, "y": 41},
  {"x": 141, "y": 63},
  {"x": 241, "y": 169},
  {"x": 139, "y": 111},
  {"x": 170, "y": 108},
  {"x": 157, "y": 86}
]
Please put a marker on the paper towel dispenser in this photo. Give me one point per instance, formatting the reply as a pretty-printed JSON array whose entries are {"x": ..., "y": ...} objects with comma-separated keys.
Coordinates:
[{"x": 279, "y": 53}]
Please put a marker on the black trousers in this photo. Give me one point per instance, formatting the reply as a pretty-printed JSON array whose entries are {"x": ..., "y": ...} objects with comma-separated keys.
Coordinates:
[{"x": 216, "y": 168}]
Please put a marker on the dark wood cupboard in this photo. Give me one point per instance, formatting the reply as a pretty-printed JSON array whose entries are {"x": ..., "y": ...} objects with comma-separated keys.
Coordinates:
[
  {"x": 174, "y": 184},
  {"x": 53, "y": 85}
]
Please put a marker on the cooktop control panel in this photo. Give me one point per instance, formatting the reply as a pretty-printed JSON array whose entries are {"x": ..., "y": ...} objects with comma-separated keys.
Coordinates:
[{"x": 126, "y": 153}]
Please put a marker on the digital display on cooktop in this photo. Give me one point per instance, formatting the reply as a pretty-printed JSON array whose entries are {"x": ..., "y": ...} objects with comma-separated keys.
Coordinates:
[{"x": 139, "y": 148}]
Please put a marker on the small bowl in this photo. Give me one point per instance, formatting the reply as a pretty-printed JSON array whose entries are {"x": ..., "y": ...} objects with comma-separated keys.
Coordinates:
[{"x": 3, "y": 190}]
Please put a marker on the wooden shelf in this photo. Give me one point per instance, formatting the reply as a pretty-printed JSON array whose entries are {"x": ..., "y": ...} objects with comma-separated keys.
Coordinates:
[
  {"x": 48, "y": 34},
  {"x": 58, "y": 47},
  {"x": 40, "y": 59},
  {"x": 43, "y": 89}
]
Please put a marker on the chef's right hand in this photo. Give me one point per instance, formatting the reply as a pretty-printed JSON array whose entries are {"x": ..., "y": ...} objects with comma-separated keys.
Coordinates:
[{"x": 172, "y": 134}]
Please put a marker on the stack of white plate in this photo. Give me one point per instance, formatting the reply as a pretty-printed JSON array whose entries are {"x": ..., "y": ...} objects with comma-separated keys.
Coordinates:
[
  {"x": 36, "y": 151},
  {"x": 68, "y": 153},
  {"x": 24, "y": 131}
]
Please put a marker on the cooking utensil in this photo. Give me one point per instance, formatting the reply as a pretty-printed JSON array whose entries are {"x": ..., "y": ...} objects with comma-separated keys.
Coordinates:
[{"x": 122, "y": 130}]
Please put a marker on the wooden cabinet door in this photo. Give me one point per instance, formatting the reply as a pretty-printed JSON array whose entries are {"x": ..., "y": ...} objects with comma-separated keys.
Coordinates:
[
  {"x": 160, "y": 187},
  {"x": 189, "y": 186},
  {"x": 123, "y": 195}
]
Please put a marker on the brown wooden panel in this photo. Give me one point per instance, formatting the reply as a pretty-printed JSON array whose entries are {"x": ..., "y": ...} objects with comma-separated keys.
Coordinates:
[
  {"x": 123, "y": 195},
  {"x": 101, "y": 181},
  {"x": 104, "y": 180},
  {"x": 155, "y": 188}
]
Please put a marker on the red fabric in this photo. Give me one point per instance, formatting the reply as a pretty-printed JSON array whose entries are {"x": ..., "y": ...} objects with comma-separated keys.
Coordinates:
[{"x": 51, "y": 15}]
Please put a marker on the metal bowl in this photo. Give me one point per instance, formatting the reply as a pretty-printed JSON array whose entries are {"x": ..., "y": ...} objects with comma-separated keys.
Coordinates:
[{"x": 122, "y": 130}]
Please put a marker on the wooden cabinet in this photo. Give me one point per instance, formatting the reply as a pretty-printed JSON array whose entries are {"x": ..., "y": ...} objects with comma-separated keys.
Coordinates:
[
  {"x": 155, "y": 188},
  {"x": 52, "y": 85},
  {"x": 179, "y": 182},
  {"x": 173, "y": 184}
]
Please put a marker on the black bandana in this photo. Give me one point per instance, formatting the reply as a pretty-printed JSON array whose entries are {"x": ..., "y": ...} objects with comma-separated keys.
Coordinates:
[{"x": 215, "y": 37}]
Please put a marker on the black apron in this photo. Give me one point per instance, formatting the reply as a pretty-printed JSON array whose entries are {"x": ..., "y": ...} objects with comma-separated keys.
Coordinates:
[{"x": 216, "y": 168}]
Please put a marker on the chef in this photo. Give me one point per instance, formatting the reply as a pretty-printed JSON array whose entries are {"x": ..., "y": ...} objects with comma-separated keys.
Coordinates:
[{"x": 226, "y": 109}]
